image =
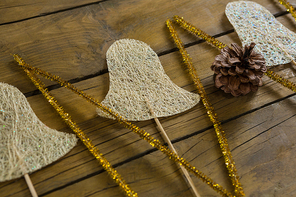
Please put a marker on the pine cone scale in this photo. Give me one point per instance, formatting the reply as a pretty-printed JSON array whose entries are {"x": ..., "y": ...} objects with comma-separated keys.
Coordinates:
[
  {"x": 244, "y": 79},
  {"x": 234, "y": 82},
  {"x": 234, "y": 60},
  {"x": 239, "y": 70}
]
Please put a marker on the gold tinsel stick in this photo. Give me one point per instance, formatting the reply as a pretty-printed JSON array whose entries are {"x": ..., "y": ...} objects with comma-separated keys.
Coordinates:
[
  {"x": 289, "y": 7},
  {"x": 211, "y": 40},
  {"x": 82, "y": 136},
  {"x": 230, "y": 165},
  {"x": 143, "y": 134}
]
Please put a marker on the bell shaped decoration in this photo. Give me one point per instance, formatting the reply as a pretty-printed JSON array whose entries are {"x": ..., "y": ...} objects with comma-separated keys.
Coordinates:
[
  {"x": 26, "y": 144},
  {"x": 137, "y": 77},
  {"x": 254, "y": 23}
]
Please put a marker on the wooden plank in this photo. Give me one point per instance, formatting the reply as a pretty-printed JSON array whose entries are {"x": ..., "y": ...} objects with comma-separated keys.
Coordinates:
[
  {"x": 73, "y": 43},
  {"x": 18, "y": 10},
  {"x": 12, "y": 11}
]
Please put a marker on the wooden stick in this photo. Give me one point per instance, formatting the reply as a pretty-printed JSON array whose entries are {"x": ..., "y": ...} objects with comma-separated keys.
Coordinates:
[
  {"x": 282, "y": 48},
  {"x": 27, "y": 177},
  {"x": 30, "y": 185},
  {"x": 287, "y": 54},
  {"x": 168, "y": 141}
]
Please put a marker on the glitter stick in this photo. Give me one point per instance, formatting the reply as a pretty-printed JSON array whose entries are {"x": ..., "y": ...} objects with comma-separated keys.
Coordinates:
[
  {"x": 289, "y": 7},
  {"x": 230, "y": 165}
]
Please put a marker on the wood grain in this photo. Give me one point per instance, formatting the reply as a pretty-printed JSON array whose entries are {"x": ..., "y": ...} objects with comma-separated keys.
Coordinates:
[
  {"x": 14, "y": 11},
  {"x": 72, "y": 44}
]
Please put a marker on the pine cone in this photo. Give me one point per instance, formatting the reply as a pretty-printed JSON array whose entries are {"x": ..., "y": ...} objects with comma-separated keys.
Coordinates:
[{"x": 239, "y": 71}]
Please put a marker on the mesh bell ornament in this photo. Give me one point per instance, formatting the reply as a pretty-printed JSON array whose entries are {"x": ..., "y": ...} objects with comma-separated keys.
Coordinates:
[
  {"x": 136, "y": 75},
  {"x": 254, "y": 23},
  {"x": 239, "y": 71},
  {"x": 26, "y": 144}
]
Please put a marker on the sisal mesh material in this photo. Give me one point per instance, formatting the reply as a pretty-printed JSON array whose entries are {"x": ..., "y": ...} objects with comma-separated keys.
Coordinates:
[
  {"x": 26, "y": 144},
  {"x": 253, "y": 23},
  {"x": 136, "y": 75}
]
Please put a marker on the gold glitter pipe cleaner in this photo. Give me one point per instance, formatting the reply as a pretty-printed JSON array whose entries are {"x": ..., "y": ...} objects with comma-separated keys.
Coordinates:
[
  {"x": 230, "y": 165},
  {"x": 289, "y": 7}
]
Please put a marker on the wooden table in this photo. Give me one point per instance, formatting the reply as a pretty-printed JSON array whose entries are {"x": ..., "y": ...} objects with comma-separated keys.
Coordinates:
[{"x": 70, "y": 39}]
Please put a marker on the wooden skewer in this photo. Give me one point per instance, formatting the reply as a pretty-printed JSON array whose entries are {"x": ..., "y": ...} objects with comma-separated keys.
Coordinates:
[
  {"x": 27, "y": 177},
  {"x": 288, "y": 55},
  {"x": 168, "y": 141},
  {"x": 281, "y": 47},
  {"x": 30, "y": 185}
]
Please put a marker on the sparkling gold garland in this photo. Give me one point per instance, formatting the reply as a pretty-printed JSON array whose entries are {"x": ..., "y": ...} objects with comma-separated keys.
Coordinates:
[
  {"x": 195, "y": 31},
  {"x": 143, "y": 134},
  {"x": 281, "y": 80},
  {"x": 230, "y": 165},
  {"x": 289, "y": 7},
  {"x": 82, "y": 136},
  {"x": 211, "y": 40}
]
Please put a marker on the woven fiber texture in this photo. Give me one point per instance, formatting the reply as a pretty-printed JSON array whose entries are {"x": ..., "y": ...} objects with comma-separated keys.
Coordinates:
[
  {"x": 137, "y": 76},
  {"x": 26, "y": 144},
  {"x": 253, "y": 23}
]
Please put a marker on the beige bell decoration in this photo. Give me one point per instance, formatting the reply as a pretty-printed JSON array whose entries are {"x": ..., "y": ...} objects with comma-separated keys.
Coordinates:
[
  {"x": 26, "y": 144},
  {"x": 254, "y": 23},
  {"x": 137, "y": 76}
]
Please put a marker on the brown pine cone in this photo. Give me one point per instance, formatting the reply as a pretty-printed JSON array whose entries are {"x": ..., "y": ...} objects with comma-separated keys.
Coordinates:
[{"x": 239, "y": 71}]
